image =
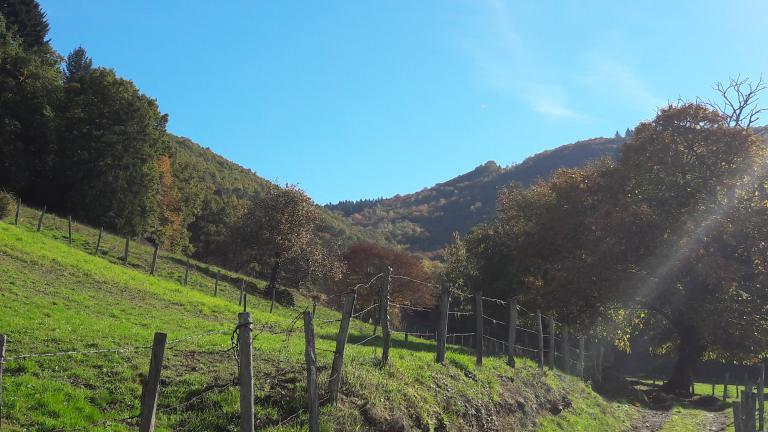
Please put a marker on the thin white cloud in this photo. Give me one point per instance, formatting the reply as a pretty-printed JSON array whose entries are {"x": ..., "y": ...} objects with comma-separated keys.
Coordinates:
[
  {"x": 620, "y": 82},
  {"x": 503, "y": 63},
  {"x": 551, "y": 101}
]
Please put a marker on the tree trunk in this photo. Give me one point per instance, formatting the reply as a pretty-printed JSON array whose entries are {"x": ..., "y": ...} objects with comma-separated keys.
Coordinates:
[{"x": 690, "y": 350}]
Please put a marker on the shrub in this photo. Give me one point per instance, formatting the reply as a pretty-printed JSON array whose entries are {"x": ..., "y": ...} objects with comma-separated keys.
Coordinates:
[{"x": 7, "y": 201}]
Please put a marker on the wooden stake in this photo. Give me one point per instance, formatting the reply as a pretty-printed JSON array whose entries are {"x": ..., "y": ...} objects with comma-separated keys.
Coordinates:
[
  {"x": 581, "y": 357},
  {"x": 551, "y": 353},
  {"x": 386, "y": 337},
  {"x": 512, "y": 332},
  {"x": 761, "y": 399},
  {"x": 313, "y": 400},
  {"x": 540, "y": 328},
  {"x": 242, "y": 291},
  {"x": 337, "y": 368},
  {"x": 153, "y": 266},
  {"x": 40, "y": 220},
  {"x": 245, "y": 326},
  {"x": 18, "y": 211},
  {"x": 442, "y": 325},
  {"x": 737, "y": 419},
  {"x": 69, "y": 229},
  {"x": 216, "y": 284},
  {"x": 98, "y": 242},
  {"x": 3, "y": 341},
  {"x": 127, "y": 249},
  {"x": 479, "y": 336},
  {"x": 151, "y": 389},
  {"x": 186, "y": 277},
  {"x": 566, "y": 350},
  {"x": 725, "y": 387}
]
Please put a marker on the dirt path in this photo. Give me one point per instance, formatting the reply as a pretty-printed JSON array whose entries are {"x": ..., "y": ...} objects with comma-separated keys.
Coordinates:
[
  {"x": 718, "y": 421},
  {"x": 650, "y": 420}
]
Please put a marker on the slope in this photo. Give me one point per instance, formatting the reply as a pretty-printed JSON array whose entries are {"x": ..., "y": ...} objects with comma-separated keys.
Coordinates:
[
  {"x": 60, "y": 298},
  {"x": 425, "y": 220}
]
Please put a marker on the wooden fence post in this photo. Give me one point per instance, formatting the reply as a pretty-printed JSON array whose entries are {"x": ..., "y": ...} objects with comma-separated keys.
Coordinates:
[
  {"x": 581, "y": 357},
  {"x": 566, "y": 349},
  {"x": 3, "y": 341},
  {"x": 511, "y": 332},
  {"x": 69, "y": 230},
  {"x": 540, "y": 328},
  {"x": 216, "y": 284},
  {"x": 186, "y": 275},
  {"x": 40, "y": 220},
  {"x": 18, "y": 211},
  {"x": 313, "y": 401},
  {"x": 153, "y": 266},
  {"x": 151, "y": 389},
  {"x": 337, "y": 368},
  {"x": 126, "y": 251},
  {"x": 242, "y": 291},
  {"x": 479, "y": 336},
  {"x": 761, "y": 399},
  {"x": 442, "y": 326},
  {"x": 98, "y": 241},
  {"x": 600, "y": 354},
  {"x": 245, "y": 326},
  {"x": 725, "y": 387},
  {"x": 737, "y": 419},
  {"x": 386, "y": 336},
  {"x": 552, "y": 342}
]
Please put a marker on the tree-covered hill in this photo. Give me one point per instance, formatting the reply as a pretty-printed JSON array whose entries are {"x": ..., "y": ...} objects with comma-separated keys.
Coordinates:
[{"x": 426, "y": 220}]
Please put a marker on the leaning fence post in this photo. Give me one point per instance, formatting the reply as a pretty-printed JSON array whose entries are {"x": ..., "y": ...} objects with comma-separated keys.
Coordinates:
[
  {"x": 566, "y": 349},
  {"x": 186, "y": 274},
  {"x": 3, "y": 340},
  {"x": 337, "y": 368},
  {"x": 479, "y": 337},
  {"x": 98, "y": 241},
  {"x": 216, "y": 284},
  {"x": 442, "y": 326},
  {"x": 511, "y": 332},
  {"x": 384, "y": 318},
  {"x": 153, "y": 266},
  {"x": 313, "y": 402},
  {"x": 551, "y": 353},
  {"x": 18, "y": 211},
  {"x": 244, "y": 327},
  {"x": 126, "y": 251},
  {"x": 540, "y": 329},
  {"x": 581, "y": 357},
  {"x": 152, "y": 385},
  {"x": 40, "y": 219},
  {"x": 69, "y": 230}
]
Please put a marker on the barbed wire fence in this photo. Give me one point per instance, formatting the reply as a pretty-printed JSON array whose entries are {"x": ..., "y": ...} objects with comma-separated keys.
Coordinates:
[{"x": 572, "y": 359}]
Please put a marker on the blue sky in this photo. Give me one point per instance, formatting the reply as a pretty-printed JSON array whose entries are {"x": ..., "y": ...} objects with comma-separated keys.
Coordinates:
[{"x": 361, "y": 99}]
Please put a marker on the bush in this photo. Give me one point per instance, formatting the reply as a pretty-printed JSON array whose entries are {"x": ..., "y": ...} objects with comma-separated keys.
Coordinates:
[{"x": 7, "y": 201}]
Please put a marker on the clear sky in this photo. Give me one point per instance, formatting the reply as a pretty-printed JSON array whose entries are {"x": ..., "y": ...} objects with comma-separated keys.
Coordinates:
[{"x": 367, "y": 98}]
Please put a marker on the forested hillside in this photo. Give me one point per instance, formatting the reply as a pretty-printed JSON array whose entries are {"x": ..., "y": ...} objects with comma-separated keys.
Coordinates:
[{"x": 426, "y": 220}]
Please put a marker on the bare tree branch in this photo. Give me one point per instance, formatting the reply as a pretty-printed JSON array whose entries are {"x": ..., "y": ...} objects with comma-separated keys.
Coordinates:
[{"x": 739, "y": 101}]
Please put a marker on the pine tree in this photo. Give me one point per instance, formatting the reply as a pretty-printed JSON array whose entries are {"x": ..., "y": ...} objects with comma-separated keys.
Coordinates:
[
  {"x": 628, "y": 133},
  {"x": 26, "y": 19},
  {"x": 77, "y": 64}
]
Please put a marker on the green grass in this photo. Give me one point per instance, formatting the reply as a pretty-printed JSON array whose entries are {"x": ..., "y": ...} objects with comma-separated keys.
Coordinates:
[{"x": 54, "y": 298}]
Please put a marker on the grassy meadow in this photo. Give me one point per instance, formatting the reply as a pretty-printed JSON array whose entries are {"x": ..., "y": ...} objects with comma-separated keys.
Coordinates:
[{"x": 55, "y": 298}]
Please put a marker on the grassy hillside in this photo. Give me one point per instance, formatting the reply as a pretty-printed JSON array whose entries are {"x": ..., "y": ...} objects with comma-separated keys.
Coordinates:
[
  {"x": 60, "y": 298},
  {"x": 426, "y": 220}
]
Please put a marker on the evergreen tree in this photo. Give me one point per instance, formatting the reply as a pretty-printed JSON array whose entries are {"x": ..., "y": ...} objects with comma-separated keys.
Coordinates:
[
  {"x": 30, "y": 86},
  {"x": 111, "y": 138},
  {"x": 628, "y": 133},
  {"x": 26, "y": 19},
  {"x": 77, "y": 63}
]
